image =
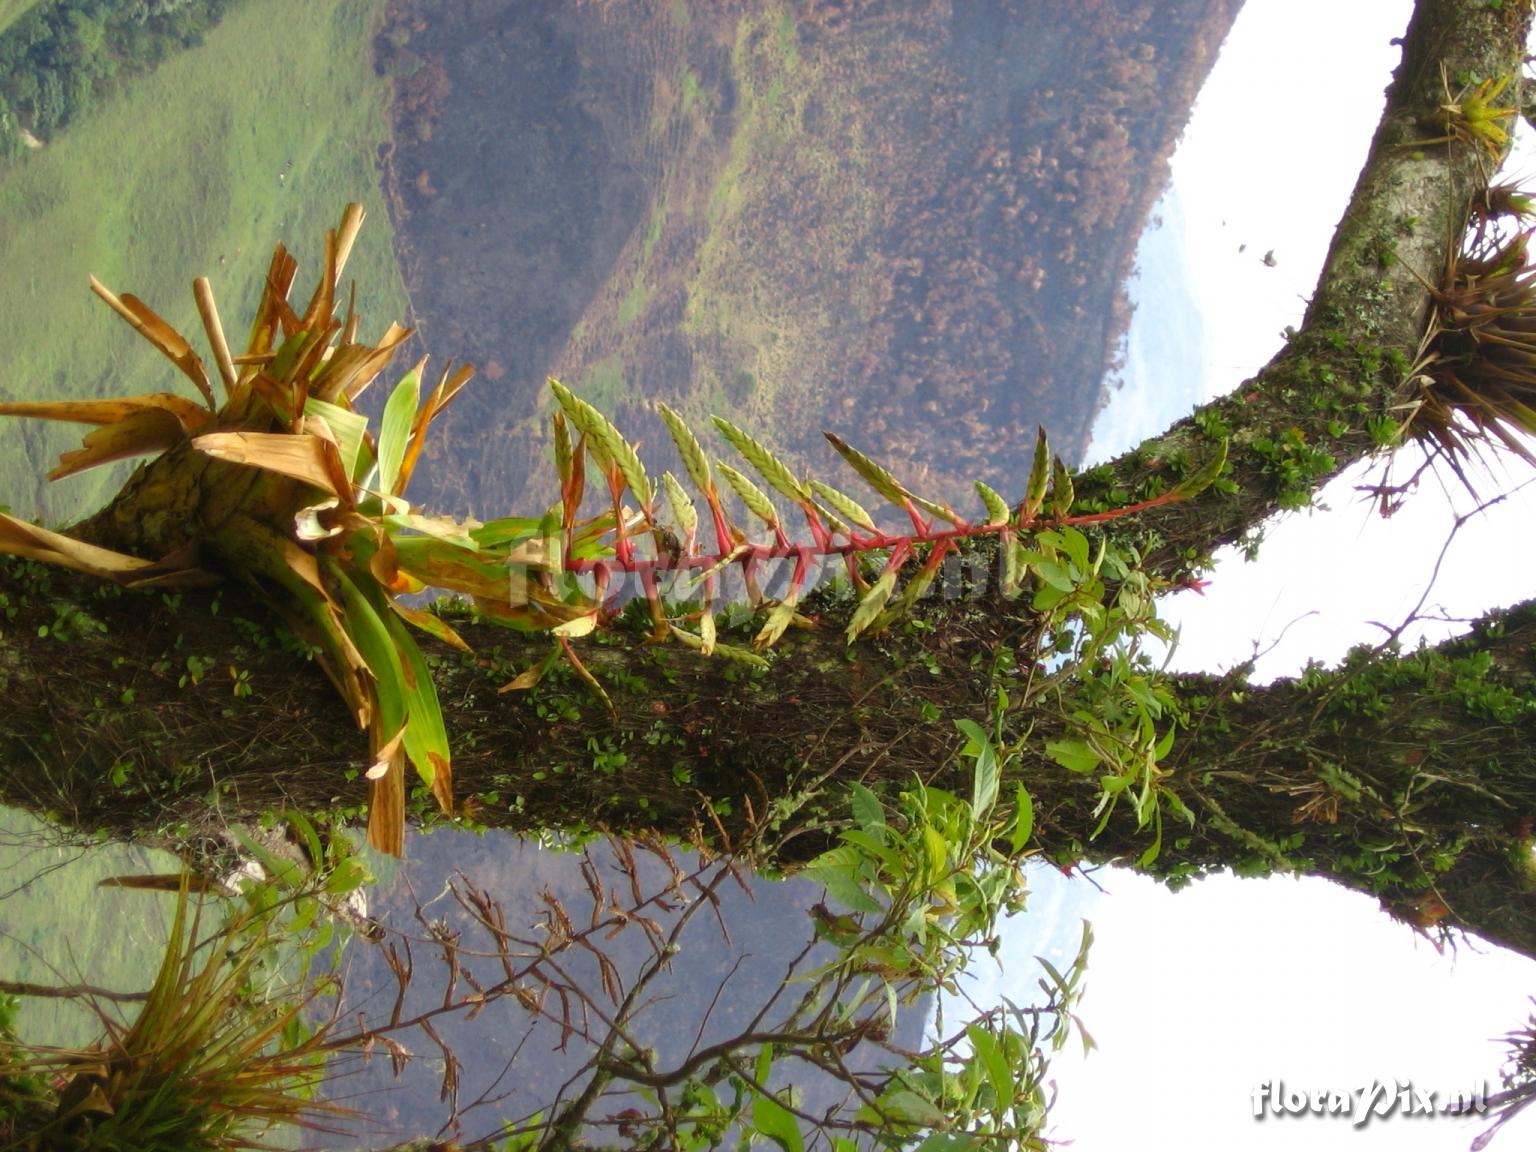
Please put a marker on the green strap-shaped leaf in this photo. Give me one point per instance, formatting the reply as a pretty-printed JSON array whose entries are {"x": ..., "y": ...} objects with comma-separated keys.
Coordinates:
[
  {"x": 373, "y": 641},
  {"x": 347, "y": 427},
  {"x": 872, "y": 603},
  {"x": 1204, "y": 477},
  {"x": 769, "y": 466},
  {"x": 688, "y": 448},
  {"x": 751, "y": 495},
  {"x": 1039, "y": 475},
  {"x": 997, "y": 507},
  {"x": 395, "y": 429},
  {"x": 402, "y": 681},
  {"x": 604, "y": 435},
  {"x": 426, "y": 737},
  {"x": 844, "y": 505}
]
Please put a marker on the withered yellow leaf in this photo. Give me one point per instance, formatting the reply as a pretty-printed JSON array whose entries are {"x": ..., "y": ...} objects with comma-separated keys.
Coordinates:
[
  {"x": 191, "y": 415},
  {"x": 171, "y": 344},
  {"x": 301, "y": 456},
  {"x": 386, "y": 807},
  {"x": 581, "y": 626},
  {"x": 524, "y": 680},
  {"x": 148, "y": 430},
  {"x": 432, "y": 625},
  {"x": 202, "y": 292},
  {"x": 18, "y": 538}
]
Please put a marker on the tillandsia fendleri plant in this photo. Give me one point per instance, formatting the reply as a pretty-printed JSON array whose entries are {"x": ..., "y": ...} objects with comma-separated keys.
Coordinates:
[
  {"x": 284, "y": 487},
  {"x": 1473, "y": 116},
  {"x": 1476, "y": 376}
]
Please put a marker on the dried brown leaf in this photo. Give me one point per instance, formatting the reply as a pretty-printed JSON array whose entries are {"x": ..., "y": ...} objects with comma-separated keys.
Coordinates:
[
  {"x": 300, "y": 457},
  {"x": 146, "y": 431},
  {"x": 171, "y": 344}
]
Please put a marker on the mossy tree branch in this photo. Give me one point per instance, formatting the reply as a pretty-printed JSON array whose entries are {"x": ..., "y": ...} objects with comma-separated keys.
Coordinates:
[{"x": 1412, "y": 777}]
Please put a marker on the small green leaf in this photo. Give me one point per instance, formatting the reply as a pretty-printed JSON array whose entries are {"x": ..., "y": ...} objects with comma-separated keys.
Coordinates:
[
  {"x": 771, "y": 1118},
  {"x": 1073, "y": 755},
  {"x": 1054, "y": 575},
  {"x": 874, "y": 475},
  {"x": 867, "y": 810},
  {"x": 688, "y": 448},
  {"x": 870, "y": 606},
  {"x": 1039, "y": 473},
  {"x": 844, "y": 505},
  {"x": 1023, "y": 820},
  {"x": 997, "y": 507},
  {"x": 984, "y": 784},
  {"x": 1075, "y": 545},
  {"x": 769, "y": 466},
  {"x": 909, "y": 1106},
  {"x": 987, "y": 1050},
  {"x": 751, "y": 495}
]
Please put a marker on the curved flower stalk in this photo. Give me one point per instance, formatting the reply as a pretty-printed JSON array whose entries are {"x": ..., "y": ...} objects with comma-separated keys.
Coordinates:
[{"x": 285, "y": 488}]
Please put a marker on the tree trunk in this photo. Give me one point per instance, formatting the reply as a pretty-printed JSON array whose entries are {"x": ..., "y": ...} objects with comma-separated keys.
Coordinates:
[{"x": 1412, "y": 777}]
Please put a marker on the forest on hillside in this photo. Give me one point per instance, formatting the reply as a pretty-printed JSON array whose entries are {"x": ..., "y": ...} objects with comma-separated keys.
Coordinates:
[
  {"x": 905, "y": 222},
  {"x": 60, "y": 56}
]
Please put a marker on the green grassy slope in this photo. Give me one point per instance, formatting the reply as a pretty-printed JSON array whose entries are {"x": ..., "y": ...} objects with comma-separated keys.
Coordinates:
[
  {"x": 12, "y": 11},
  {"x": 180, "y": 176},
  {"x": 57, "y": 927}
]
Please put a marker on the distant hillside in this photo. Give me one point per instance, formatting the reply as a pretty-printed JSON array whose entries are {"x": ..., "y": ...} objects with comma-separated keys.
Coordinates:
[
  {"x": 261, "y": 133},
  {"x": 905, "y": 221}
]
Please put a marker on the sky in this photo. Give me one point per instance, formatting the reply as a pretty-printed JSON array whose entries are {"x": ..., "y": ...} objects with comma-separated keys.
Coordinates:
[{"x": 1198, "y": 997}]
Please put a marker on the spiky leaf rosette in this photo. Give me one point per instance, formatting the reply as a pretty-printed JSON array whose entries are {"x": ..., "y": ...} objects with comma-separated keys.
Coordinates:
[
  {"x": 294, "y": 496},
  {"x": 1476, "y": 380}
]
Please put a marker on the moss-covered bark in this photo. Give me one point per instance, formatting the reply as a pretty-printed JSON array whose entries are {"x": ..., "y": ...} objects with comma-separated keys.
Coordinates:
[
  {"x": 1333, "y": 393},
  {"x": 1412, "y": 777}
]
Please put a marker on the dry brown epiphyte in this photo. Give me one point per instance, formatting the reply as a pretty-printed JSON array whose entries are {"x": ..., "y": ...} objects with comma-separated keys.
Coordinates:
[{"x": 1476, "y": 379}]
